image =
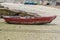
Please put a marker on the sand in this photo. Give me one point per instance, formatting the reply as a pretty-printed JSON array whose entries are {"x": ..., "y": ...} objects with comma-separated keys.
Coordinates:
[{"x": 30, "y": 32}]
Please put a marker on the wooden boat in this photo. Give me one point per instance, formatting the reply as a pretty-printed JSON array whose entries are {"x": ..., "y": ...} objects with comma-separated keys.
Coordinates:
[{"x": 28, "y": 20}]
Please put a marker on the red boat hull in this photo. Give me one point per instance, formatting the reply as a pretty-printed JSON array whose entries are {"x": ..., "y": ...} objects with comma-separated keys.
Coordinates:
[{"x": 39, "y": 20}]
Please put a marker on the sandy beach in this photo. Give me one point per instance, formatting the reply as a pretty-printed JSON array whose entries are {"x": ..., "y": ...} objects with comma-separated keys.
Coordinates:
[{"x": 31, "y": 32}]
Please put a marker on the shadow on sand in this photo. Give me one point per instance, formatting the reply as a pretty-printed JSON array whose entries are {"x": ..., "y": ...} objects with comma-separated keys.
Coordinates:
[{"x": 48, "y": 24}]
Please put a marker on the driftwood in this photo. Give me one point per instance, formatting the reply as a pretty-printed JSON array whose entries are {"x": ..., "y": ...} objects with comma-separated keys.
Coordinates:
[
  {"x": 13, "y": 13},
  {"x": 23, "y": 13},
  {"x": 6, "y": 12}
]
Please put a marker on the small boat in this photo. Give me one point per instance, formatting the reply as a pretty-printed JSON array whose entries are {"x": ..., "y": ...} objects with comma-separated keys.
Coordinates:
[
  {"x": 28, "y": 20},
  {"x": 31, "y": 3}
]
